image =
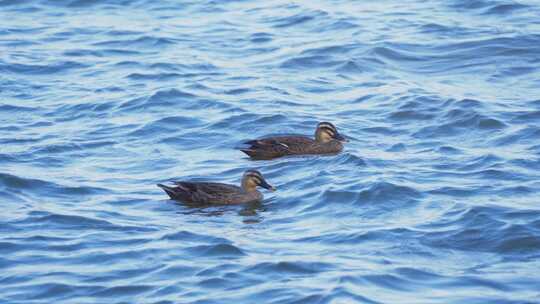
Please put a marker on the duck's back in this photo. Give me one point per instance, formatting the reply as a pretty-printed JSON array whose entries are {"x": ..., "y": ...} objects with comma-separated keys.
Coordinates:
[
  {"x": 294, "y": 142},
  {"x": 202, "y": 193},
  {"x": 209, "y": 188},
  {"x": 277, "y": 146},
  {"x": 213, "y": 193}
]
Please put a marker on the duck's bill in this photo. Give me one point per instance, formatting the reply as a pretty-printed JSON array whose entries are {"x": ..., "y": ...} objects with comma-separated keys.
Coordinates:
[
  {"x": 340, "y": 137},
  {"x": 266, "y": 185}
]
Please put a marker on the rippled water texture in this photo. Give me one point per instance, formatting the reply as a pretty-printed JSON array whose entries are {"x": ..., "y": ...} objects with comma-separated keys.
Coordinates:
[{"x": 434, "y": 200}]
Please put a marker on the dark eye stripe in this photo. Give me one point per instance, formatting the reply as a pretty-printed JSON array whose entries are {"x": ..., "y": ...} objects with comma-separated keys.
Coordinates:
[
  {"x": 255, "y": 176},
  {"x": 329, "y": 130},
  {"x": 257, "y": 179},
  {"x": 253, "y": 172},
  {"x": 327, "y": 126}
]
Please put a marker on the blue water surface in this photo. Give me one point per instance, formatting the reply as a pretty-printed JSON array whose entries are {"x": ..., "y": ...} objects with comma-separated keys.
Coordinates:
[{"x": 434, "y": 200}]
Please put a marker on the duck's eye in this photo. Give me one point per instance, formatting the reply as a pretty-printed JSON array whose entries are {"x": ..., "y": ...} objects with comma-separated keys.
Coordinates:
[
  {"x": 255, "y": 178},
  {"x": 326, "y": 125},
  {"x": 331, "y": 133}
]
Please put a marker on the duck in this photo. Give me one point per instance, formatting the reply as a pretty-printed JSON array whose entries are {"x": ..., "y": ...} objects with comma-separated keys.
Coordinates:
[
  {"x": 205, "y": 193},
  {"x": 327, "y": 141}
]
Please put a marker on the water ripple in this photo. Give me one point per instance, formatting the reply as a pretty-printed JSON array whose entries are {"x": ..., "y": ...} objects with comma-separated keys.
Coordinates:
[{"x": 435, "y": 194}]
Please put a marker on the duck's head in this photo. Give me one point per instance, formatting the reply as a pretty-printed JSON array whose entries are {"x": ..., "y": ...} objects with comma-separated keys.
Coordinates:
[
  {"x": 253, "y": 179},
  {"x": 326, "y": 132}
]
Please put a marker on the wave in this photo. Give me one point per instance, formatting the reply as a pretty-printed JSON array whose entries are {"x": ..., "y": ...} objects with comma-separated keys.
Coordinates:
[
  {"x": 435, "y": 191},
  {"x": 161, "y": 98},
  {"x": 40, "y": 69},
  {"x": 383, "y": 195},
  {"x": 221, "y": 250},
  {"x": 489, "y": 7},
  {"x": 455, "y": 57},
  {"x": 148, "y": 42},
  {"x": 38, "y": 188},
  {"x": 486, "y": 229},
  {"x": 296, "y": 20}
]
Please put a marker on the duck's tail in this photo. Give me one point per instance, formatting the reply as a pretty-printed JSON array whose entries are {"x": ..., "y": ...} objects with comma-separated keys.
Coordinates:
[
  {"x": 255, "y": 149},
  {"x": 169, "y": 190},
  {"x": 249, "y": 152},
  {"x": 265, "y": 148},
  {"x": 256, "y": 154}
]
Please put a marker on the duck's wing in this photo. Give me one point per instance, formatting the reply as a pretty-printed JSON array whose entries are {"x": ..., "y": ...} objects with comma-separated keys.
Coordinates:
[
  {"x": 207, "y": 193},
  {"x": 208, "y": 188},
  {"x": 271, "y": 147}
]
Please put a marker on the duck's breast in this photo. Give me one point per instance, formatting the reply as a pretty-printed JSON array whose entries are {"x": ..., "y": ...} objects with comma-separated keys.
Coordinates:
[
  {"x": 246, "y": 197},
  {"x": 330, "y": 147}
]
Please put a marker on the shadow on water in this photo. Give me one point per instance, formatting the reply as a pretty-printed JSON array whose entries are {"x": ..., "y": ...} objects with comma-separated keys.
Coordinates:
[{"x": 250, "y": 212}]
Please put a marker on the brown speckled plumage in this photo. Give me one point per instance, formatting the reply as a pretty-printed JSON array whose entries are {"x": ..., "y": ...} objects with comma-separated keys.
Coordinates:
[
  {"x": 327, "y": 141},
  {"x": 203, "y": 193}
]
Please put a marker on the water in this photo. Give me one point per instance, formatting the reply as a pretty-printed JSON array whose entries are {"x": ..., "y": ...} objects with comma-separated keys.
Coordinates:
[{"x": 434, "y": 200}]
